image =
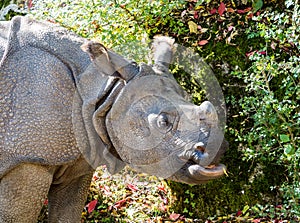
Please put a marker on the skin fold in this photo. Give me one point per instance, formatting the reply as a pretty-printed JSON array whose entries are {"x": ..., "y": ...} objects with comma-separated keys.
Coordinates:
[{"x": 69, "y": 105}]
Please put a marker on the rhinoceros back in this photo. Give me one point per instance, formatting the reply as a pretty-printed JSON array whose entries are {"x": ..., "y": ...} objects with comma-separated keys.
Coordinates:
[
  {"x": 37, "y": 87},
  {"x": 4, "y": 27}
]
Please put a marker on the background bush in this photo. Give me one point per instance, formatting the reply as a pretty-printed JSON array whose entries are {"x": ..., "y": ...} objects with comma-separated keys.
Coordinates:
[{"x": 253, "y": 48}]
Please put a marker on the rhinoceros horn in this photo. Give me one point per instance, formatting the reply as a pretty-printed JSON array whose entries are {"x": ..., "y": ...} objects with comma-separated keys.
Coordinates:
[{"x": 162, "y": 49}]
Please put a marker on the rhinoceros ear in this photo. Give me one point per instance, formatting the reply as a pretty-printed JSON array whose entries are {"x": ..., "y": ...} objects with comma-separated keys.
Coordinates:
[
  {"x": 94, "y": 49},
  {"x": 99, "y": 56},
  {"x": 109, "y": 62},
  {"x": 163, "y": 49}
]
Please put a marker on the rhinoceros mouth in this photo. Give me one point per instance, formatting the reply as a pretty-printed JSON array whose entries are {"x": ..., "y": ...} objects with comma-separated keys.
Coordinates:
[
  {"x": 193, "y": 171},
  {"x": 213, "y": 171}
]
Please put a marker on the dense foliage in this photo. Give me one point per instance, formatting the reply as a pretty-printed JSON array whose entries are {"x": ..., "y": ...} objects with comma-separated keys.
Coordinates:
[{"x": 254, "y": 49}]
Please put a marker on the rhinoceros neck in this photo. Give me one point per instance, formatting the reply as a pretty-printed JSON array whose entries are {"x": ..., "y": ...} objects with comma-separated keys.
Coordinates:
[
  {"x": 97, "y": 93},
  {"x": 114, "y": 86}
]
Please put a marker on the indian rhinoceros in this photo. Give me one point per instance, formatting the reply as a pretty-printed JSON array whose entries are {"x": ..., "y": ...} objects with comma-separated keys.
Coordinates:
[{"x": 69, "y": 105}]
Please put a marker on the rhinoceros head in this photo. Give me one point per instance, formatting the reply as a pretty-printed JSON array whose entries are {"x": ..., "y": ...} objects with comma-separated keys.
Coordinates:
[{"x": 151, "y": 125}]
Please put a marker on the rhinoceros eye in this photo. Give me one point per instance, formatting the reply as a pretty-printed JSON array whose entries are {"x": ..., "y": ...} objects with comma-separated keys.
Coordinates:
[{"x": 163, "y": 122}]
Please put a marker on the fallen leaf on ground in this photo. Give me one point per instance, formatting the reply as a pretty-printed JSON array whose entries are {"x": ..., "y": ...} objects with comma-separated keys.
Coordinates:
[
  {"x": 174, "y": 216},
  {"x": 133, "y": 187},
  {"x": 91, "y": 206},
  {"x": 202, "y": 42},
  {"x": 221, "y": 9},
  {"x": 213, "y": 11},
  {"x": 120, "y": 204},
  {"x": 193, "y": 27}
]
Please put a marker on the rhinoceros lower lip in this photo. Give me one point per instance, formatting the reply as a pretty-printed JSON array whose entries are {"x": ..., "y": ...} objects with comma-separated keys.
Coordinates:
[{"x": 198, "y": 171}]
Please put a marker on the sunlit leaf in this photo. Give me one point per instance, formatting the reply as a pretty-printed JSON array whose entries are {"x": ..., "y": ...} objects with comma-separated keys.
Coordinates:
[
  {"x": 284, "y": 138},
  {"x": 193, "y": 27},
  {"x": 245, "y": 209},
  {"x": 225, "y": 172}
]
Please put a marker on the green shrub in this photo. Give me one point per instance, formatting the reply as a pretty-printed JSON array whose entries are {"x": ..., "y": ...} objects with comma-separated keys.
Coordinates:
[
  {"x": 272, "y": 100},
  {"x": 255, "y": 56},
  {"x": 11, "y": 8}
]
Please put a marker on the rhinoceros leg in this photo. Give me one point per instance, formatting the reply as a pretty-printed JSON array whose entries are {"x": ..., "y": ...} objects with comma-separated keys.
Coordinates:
[
  {"x": 68, "y": 193},
  {"x": 23, "y": 191}
]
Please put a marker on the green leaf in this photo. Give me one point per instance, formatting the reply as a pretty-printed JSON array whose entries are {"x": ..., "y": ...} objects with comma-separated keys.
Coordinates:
[
  {"x": 289, "y": 150},
  {"x": 245, "y": 209},
  {"x": 257, "y": 5},
  {"x": 284, "y": 138}
]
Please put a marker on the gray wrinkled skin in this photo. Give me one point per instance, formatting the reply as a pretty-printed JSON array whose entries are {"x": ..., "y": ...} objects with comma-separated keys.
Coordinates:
[{"x": 68, "y": 106}]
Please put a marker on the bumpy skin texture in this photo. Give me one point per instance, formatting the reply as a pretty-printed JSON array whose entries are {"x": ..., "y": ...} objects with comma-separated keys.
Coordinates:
[
  {"x": 40, "y": 66},
  {"x": 68, "y": 106}
]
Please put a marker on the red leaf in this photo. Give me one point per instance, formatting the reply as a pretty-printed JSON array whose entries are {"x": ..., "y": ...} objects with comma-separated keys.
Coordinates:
[
  {"x": 174, "y": 217},
  {"x": 250, "y": 16},
  {"x": 91, "y": 206},
  {"x": 202, "y": 42},
  {"x": 46, "y": 202},
  {"x": 133, "y": 187},
  {"x": 120, "y": 204},
  {"x": 239, "y": 213},
  {"x": 213, "y": 11},
  {"x": 29, "y": 4},
  {"x": 162, "y": 207},
  {"x": 95, "y": 178},
  {"x": 262, "y": 52},
  {"x": 256, "y": 220},
  {"x": 251, "y": 53},
  {"x": 248, "y": 9},
  {"x": 221, "y": 8},
  {"x": 196, "y": 15},
  {"x": 161, "y": 188},
  {"x": 242, "y": 11}
]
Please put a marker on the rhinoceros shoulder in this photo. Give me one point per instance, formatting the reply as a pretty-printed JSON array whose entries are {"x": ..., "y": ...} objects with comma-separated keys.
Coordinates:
[{"x": 22, "y": 32}]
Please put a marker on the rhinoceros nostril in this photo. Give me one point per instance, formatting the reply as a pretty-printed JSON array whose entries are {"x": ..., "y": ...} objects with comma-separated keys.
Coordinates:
[
  {"x": 196, "y": 153},
  {"x": 200, "y": 147},
  {"x": 197, "y": 156}
]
